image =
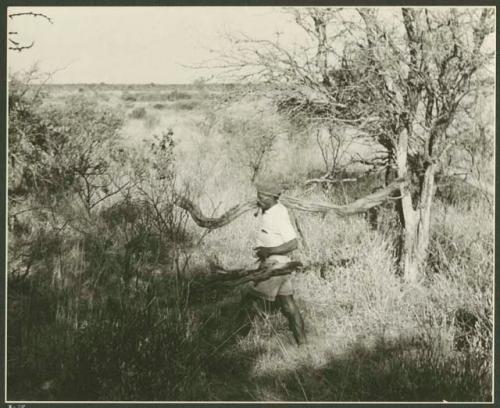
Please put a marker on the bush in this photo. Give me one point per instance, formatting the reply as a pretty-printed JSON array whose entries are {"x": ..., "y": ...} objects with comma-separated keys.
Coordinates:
[
  {"x": 458, "y": 193},
  {"x": 138, "y": 113},
  {"x": 86, "y": 317},
  {"x": 156, "y": 96},
  {"x": 465, "y": 242},
  {"x": 129, "y": 97},
  {"x": 57, "y": 150},
  {"x": 185, "y": 105},
  {"x": 151, "y": 121},
  {"x": 177, "y": 95},
  {"x": 251, "y": 142}
]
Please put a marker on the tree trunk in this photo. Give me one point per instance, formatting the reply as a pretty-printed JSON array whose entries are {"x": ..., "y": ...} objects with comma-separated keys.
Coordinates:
[
  {"x": 415, "y": 235},
  {"x": 417, "y": 232},
  {"x": 321, "y": 56},
  {"x": 416, "y": 222}
]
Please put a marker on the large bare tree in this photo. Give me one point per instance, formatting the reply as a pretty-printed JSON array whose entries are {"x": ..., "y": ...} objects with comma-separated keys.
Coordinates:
[{"x": 400, "y": 77}]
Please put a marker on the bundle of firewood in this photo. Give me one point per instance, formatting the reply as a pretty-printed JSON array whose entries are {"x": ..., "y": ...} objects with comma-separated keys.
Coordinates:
[{"x": 235, "y": 277}]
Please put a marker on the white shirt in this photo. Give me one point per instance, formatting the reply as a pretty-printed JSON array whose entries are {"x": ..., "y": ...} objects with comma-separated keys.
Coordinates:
[{"x": 276, "y": 229}]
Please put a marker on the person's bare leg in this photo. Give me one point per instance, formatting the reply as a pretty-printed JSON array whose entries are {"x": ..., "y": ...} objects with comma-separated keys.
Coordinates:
[{"x": 292, "y": 313}]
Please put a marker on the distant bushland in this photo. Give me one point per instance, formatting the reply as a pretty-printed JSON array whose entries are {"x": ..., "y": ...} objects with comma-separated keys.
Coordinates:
[{"x": 156, "y": 96}]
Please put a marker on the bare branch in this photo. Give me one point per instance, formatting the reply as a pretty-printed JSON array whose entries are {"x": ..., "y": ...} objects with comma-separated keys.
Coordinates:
[
  {"x": 330, "y": 181},
  {"x": 30, "y": 13},
  {"x": 212, "y": 223},
  {"x": 359, "y": 206},
  {"x": 239, "y": 276},
  {"x": 21, "y": 47}
]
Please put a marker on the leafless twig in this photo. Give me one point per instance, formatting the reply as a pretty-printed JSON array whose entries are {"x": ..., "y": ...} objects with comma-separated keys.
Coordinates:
[{"x": 30, "y": 13}]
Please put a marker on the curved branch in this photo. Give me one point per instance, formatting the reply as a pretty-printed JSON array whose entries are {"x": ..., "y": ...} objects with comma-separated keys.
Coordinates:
[
  {"x": 357, "y": 207},
  {"x": 30, "y": 13},
  {"x": 213, "y": 223},
  {"x": 18, "y": 47}
]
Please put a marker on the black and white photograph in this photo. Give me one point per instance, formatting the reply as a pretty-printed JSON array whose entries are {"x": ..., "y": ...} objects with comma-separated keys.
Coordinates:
[{"x": 256, "y": 204}]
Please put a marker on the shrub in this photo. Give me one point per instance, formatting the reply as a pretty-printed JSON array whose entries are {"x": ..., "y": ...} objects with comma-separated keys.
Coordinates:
[
  {"x": 129, "y": 97},
  {"x": 55, "y": 150},
  {"x": 251, "y": 142},
  {"x": 86, "y": 320},
  {"x": 151, "y": 121},
  {"x": 156, "y": 96},
  {"x": 465, "y": 242},
  {"x": 138, "y": 113},
  {"x": 458, "y": 193},
  {"x": 190, "y": 105},
  {"x": 177, "y": 95}
]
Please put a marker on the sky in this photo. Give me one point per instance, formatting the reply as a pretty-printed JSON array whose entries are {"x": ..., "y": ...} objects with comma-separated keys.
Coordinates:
[
  {"x": 132, "y": 44},
  {"x": 136, "y": 44}
]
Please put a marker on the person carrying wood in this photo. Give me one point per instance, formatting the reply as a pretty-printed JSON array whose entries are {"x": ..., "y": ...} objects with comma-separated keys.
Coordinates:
[{"x": 276, "y": 240}]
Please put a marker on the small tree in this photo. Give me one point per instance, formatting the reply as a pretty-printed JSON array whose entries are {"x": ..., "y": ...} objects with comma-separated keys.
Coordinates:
[
  {"x": 334, "y": 144},
  {"x": 251, "y": 142}
]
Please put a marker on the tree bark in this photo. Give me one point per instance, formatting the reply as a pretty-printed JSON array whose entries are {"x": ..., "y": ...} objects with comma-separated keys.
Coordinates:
[
  {"x": 417, "y": 231},
  {"x": 416, "y": 222}
]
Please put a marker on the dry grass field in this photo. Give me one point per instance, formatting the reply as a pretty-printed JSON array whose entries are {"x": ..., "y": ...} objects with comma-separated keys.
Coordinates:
[{"x": 114, "y": 304}]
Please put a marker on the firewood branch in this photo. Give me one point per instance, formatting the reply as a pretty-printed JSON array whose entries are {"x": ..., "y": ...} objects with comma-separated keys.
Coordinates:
[{"x": 232, "y": 278}]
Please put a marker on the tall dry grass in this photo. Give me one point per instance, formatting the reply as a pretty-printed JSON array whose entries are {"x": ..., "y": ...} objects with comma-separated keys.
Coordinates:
[{"x": 122, "y": 312}]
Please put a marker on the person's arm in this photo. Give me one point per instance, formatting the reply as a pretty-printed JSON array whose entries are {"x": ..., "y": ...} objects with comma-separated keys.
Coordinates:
[{"x": 283, "y": 249}]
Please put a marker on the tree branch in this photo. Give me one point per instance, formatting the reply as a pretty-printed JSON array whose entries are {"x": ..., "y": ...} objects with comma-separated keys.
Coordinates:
[
  {"x": 218, "y": 222},
  {"x": 30, "y": 13},
  {"x": 21, "y": 47},
  {"x": 327, "y": 180},
  {"x": 237, "y": 277},
  {"x": 357, "y": 207}
]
